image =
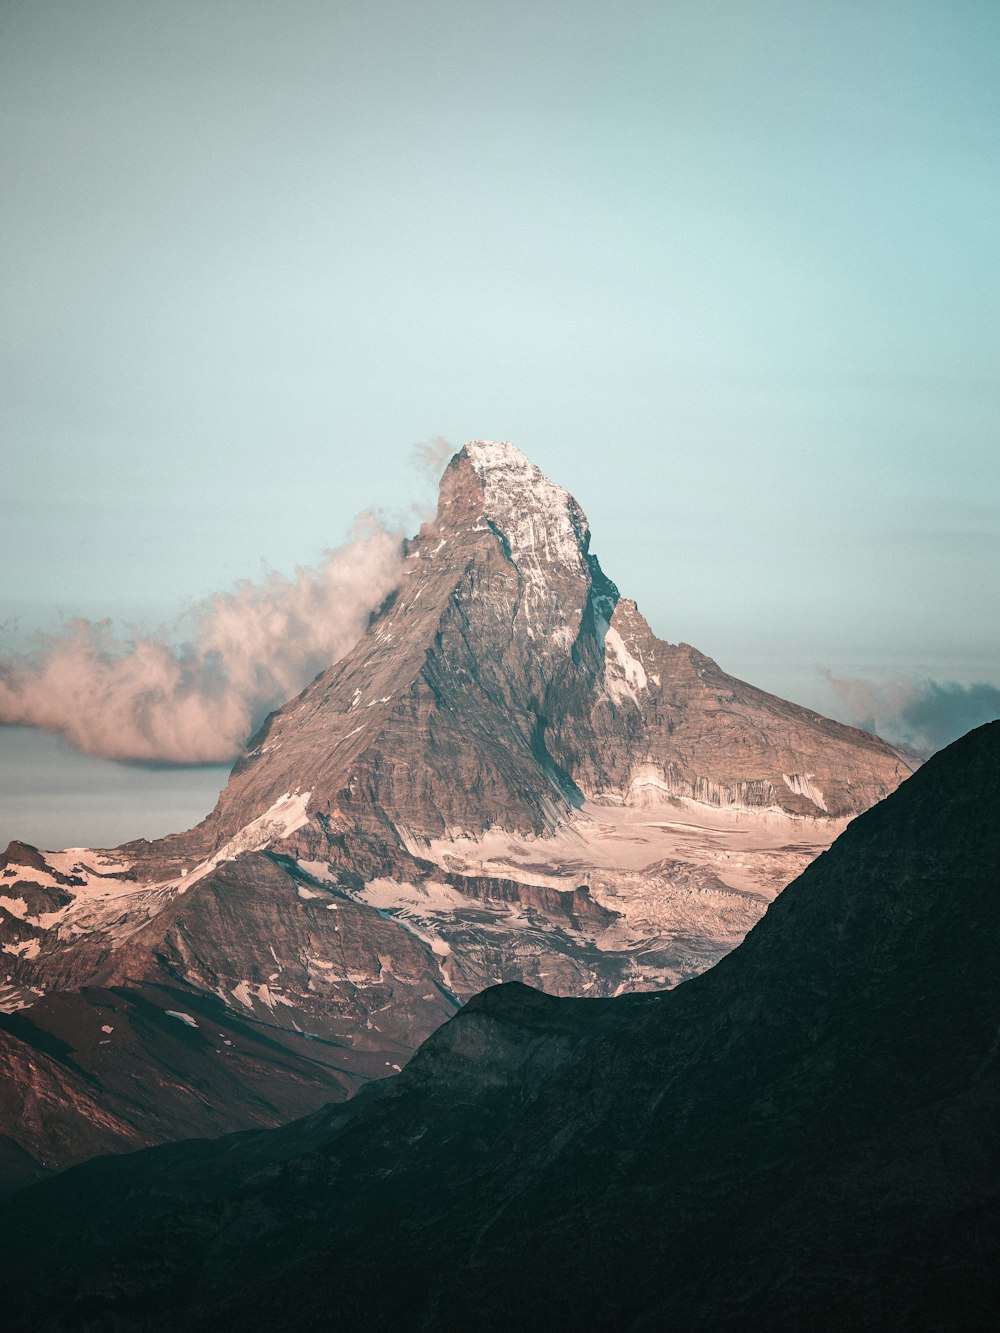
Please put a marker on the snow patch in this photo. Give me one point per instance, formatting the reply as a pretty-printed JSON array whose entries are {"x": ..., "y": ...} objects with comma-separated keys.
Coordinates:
[
  {"x": 32, "y": 876},
  {"x": 317, "y": 870},
  {"x": 287, "y": 814},
  {"x": 544, "y": 527},
  {"x": 26, "y": 949},
  {"x": 172, "y": 1013},
  {"x": 430, "y": 896},
  {"x": 802, "y": 785},
  {"x": 624, "y": 674},
  {"x": 270, "y": 997},
  {"x": 414, "y": 906}
]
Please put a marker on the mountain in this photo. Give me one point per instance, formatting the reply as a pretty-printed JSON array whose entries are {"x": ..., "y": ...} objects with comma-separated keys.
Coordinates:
[
  {"x": 802, "y": 1137},
  {"x": 509, "y": 777}
]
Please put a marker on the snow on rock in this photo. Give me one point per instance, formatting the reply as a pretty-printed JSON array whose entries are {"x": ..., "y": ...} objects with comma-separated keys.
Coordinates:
[
  {"x": 802, "y": 784},
  {"x": 651, "y": 785},
  {"x": 74, "y": 870},
  {"x": 414, "y": 906},
  {"x": 399, "y": 895},
  {"x": 624, "y": 675},
  {"x": 32, "y": 875},
  {"x": 316, "y": 869},
  {"x": 545, "y": 529},
  {"x": 287, "y": 814},
  {"x": 270, "y": 997},
  {"x": 752, "y": 850},
  {"x": 102, "y": 898},
  {"x": 26, "y": 949},
  {"x": 172, "y": 1013},
  {"x": 245, "y": 992},
  {"x": 87, "y": 862},
  {"x": 538, "y": 518}
]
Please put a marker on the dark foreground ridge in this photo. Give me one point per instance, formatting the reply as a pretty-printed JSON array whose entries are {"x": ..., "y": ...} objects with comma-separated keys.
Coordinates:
[{"x": 802, "y": 1138}]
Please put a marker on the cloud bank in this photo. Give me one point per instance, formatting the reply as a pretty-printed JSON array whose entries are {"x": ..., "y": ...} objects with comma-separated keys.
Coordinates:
[
  {"x": 924, "y": 715},
  {"x": 196, "y": 699}
]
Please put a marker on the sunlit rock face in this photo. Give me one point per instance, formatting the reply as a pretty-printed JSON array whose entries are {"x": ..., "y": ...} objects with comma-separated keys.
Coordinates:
[{"x": 508, "y": 778}]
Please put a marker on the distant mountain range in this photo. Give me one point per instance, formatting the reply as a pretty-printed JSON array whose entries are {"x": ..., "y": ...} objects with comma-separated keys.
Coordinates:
[
  {"x": 509, "y": 778},
  {"x": 804, "y": 1137}
]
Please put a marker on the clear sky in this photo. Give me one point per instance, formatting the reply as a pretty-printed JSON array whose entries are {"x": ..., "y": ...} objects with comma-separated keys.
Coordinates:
[{"x": 730, "y": 272}]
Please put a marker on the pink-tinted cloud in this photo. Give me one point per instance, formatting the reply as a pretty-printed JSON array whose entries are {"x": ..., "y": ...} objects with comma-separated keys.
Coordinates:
[{"x": 197, "y": 698}]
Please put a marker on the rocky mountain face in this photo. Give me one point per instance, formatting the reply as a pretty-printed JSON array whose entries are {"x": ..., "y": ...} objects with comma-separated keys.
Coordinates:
[
  {"x": 802, "y": 1137},
  {"x": 508, "y": 778},
  {"x": 506, "y": 683}
]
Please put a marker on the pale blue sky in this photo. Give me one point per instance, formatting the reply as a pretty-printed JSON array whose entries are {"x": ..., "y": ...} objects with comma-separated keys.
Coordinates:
[{"x": 728, "y": 271}]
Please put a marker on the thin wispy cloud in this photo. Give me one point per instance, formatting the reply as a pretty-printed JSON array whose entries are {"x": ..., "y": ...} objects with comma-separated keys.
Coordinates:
[{"x": 430, "y": 456}]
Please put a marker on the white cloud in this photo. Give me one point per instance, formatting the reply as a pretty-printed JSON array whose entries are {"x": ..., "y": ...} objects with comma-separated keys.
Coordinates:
[{"x": 196, "y": 698}]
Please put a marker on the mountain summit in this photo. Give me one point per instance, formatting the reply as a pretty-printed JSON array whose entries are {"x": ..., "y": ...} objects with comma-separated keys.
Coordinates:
[
  {"x": 509, "y": 777},
  {"x": 506, "y": 682}
]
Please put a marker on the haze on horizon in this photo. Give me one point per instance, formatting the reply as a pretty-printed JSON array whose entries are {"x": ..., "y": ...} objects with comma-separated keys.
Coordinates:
[{"x": 728, "y": 274}]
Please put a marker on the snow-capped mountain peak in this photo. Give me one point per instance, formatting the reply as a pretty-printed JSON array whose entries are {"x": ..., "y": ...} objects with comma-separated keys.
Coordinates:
[{"x": 509, "y": 777}]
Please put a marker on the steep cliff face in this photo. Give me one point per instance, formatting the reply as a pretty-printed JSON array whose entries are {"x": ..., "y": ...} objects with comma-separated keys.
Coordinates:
[{"x": 508, "y": 778}]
